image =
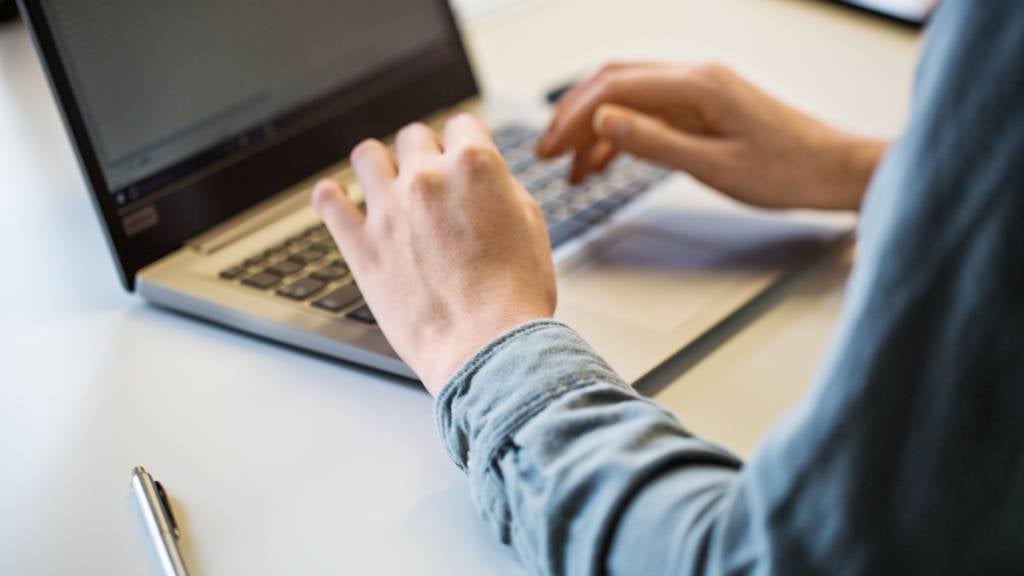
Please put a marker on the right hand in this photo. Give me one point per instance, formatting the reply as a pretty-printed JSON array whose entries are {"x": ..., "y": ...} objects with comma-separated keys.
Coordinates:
[
  {"x": 452, "y": 251},
  {"x": 713, "y": 124}
]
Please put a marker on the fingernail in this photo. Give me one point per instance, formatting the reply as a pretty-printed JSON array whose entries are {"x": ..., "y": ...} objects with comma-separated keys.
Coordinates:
[
  {"x": 610, "y": 123},
  {"x": 323, "y": 195}
]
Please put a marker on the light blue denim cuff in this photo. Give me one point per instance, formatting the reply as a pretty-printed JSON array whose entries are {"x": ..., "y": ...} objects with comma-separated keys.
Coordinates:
[{"x": 508, "y": 382}]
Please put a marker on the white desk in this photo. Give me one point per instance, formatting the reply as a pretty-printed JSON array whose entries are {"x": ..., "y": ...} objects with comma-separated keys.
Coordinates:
[{"x": 285, "y": 463}]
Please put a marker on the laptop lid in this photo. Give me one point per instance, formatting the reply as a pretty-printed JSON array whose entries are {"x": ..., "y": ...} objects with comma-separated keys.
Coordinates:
[
  {"x": 913, "y": 12},
  {"x": 186, "y": 113}
]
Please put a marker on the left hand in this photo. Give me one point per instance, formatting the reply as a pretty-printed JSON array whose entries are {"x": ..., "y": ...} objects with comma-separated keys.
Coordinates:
[{"x": 452, "y": 251}]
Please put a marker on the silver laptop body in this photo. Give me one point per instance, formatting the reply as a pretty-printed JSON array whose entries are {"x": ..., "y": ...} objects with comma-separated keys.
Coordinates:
[{"x": 208, "y": 213}]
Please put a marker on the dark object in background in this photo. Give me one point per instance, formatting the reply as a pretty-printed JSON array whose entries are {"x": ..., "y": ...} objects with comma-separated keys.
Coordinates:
[
  {"x": 913, "y": 13},
  {"x": 8, "y": 10}
]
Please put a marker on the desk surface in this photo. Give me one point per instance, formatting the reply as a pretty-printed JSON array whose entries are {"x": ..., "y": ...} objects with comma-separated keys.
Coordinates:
[{"x": 281, "y": 462}]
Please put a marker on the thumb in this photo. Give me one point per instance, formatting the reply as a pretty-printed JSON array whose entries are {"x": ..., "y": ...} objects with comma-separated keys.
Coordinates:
[
  {"x": 653, "y": 139},
  {"x": 341, "y": 216}
]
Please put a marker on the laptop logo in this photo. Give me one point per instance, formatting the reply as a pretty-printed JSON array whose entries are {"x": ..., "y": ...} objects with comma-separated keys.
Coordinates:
[{"x": 140, "y": 220}]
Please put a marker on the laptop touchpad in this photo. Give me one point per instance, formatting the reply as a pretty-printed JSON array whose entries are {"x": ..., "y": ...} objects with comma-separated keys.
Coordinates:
[{"x": 663, "y": 267}]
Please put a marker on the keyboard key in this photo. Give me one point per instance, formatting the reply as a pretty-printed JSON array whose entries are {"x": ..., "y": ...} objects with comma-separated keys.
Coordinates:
[
  {"x": 552, "y": 191},
  {"x": 276, "y": 248},
  {"x": 562, "y": 231},
  {"x": 589, "y": 216},
  {"x": 262, "y": 280},
  {"x": 611, "y": 203},
  {"x": 551, "y": 206},
  {"x": 331, "y": 272},
  {"x": 520, "y": 165},
  {"x": 512, "y": 135},
  {"x": 307, "y": 256},
  {"x": 599, "y": 191},
  {"x": 363, "y": 314},
  {"x": 302, "y": 289},
  {"x": 323, "y": 245},
  {"x": 286, "y": 268},
  {"x": 314, "y": 229},
  {"x": 561, "y": 213},
  {"x": 339, "y": 299},
  {"x": 255, "y": 261},
  {"x": 233, "y": 272}
]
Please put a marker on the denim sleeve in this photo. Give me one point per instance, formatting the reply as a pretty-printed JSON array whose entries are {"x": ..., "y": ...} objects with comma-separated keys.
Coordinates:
[
  {"x": 907, "y": 457},
  {"x": 555, "y": 444}
]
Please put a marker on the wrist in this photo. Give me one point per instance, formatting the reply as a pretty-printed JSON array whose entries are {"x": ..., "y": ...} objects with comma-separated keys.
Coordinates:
[
  {"x": 462, "y": 342},
  {"x": 855, "y": 159}
]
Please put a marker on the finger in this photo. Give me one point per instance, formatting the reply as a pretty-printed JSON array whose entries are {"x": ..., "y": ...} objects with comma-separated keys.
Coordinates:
[
  {"x": 602, "y": 155},
  {"x": 570, "y": 98},
  {"x": 581, "y": 162},
  {"x": 341, "y": 216},
  {"x": 466, "y": 131},
  {"x": 647, "y": 137},
  {"x": 589, "y": 158},
  {"x": 645, "y": 89},
  {"x": 375, "y": 168},
  {"x": 415, "y": 143}
]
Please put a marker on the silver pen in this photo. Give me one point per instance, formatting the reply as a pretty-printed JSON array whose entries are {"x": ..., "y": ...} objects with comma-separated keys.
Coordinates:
[{"x": 163, "y": 529}]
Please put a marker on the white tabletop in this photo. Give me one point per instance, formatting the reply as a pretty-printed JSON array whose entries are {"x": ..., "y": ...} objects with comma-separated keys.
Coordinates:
[{"x": 281, "y": 462}]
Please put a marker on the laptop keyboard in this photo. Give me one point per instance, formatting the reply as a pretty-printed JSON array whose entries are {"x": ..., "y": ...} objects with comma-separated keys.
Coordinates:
[
  {"x": 307, "y": 267},
  {"x": 571, "y": 210}
]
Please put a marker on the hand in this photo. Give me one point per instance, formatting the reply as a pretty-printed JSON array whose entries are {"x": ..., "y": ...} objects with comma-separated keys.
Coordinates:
[
  {"x": 451, "y": 252},
  {"x": 709, "y": 122}
]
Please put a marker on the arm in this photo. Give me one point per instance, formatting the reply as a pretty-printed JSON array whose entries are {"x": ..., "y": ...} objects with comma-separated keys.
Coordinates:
[
  {"x": 557, "y": 447},
  {"x": 724, "y": 131},
  {"x": 907, "y": 456},
  {"x": 905, "y": 459}
]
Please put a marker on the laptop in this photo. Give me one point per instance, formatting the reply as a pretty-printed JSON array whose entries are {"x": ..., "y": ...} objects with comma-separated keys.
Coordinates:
[
  {"x": 201, "y": 127},
  {"x": 912, "y": 12}
]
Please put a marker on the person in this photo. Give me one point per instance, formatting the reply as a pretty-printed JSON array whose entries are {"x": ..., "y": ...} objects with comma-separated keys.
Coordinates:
[{"x": 907, "y": 456}]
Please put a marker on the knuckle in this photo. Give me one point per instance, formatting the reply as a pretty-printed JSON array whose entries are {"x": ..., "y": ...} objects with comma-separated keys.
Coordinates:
[
  {"x": 610, "y": 83},
  {"x": 460, "y": 121},
  {"x": 363, "y": 148},
  {"x": 426, "y": 180},
  {"x": 464, "y": 117},
  {"x": 612, "y": 68},
  {"x": 477, "y": 158},
  {"x": 380, "y": 227},
  {"x": 411, "y": 130},
  {"x": 716, "y": 71}
]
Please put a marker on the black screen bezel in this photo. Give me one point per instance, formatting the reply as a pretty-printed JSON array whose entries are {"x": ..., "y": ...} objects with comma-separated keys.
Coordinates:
[{"x": 427, "y": 85}]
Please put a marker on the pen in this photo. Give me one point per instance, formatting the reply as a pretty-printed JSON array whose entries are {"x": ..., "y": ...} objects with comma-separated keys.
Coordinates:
[{"x": 163, "y": 529}]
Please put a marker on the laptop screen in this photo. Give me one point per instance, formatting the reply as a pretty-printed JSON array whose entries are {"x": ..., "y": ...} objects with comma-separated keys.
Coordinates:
[
  {"x": 184, "y": 114},
  {"x": 161, "y": 83}
]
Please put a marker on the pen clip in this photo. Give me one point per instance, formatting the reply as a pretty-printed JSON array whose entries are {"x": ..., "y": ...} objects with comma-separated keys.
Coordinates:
[{"x": 166, "y": 503}]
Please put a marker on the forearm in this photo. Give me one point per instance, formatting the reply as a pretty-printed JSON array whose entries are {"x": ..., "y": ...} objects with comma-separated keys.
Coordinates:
[{"x": 557, "y": 448}]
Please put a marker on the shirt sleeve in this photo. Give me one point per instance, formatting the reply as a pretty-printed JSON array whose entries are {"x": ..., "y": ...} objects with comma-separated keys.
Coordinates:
[{"x": 908, "y": 454}]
